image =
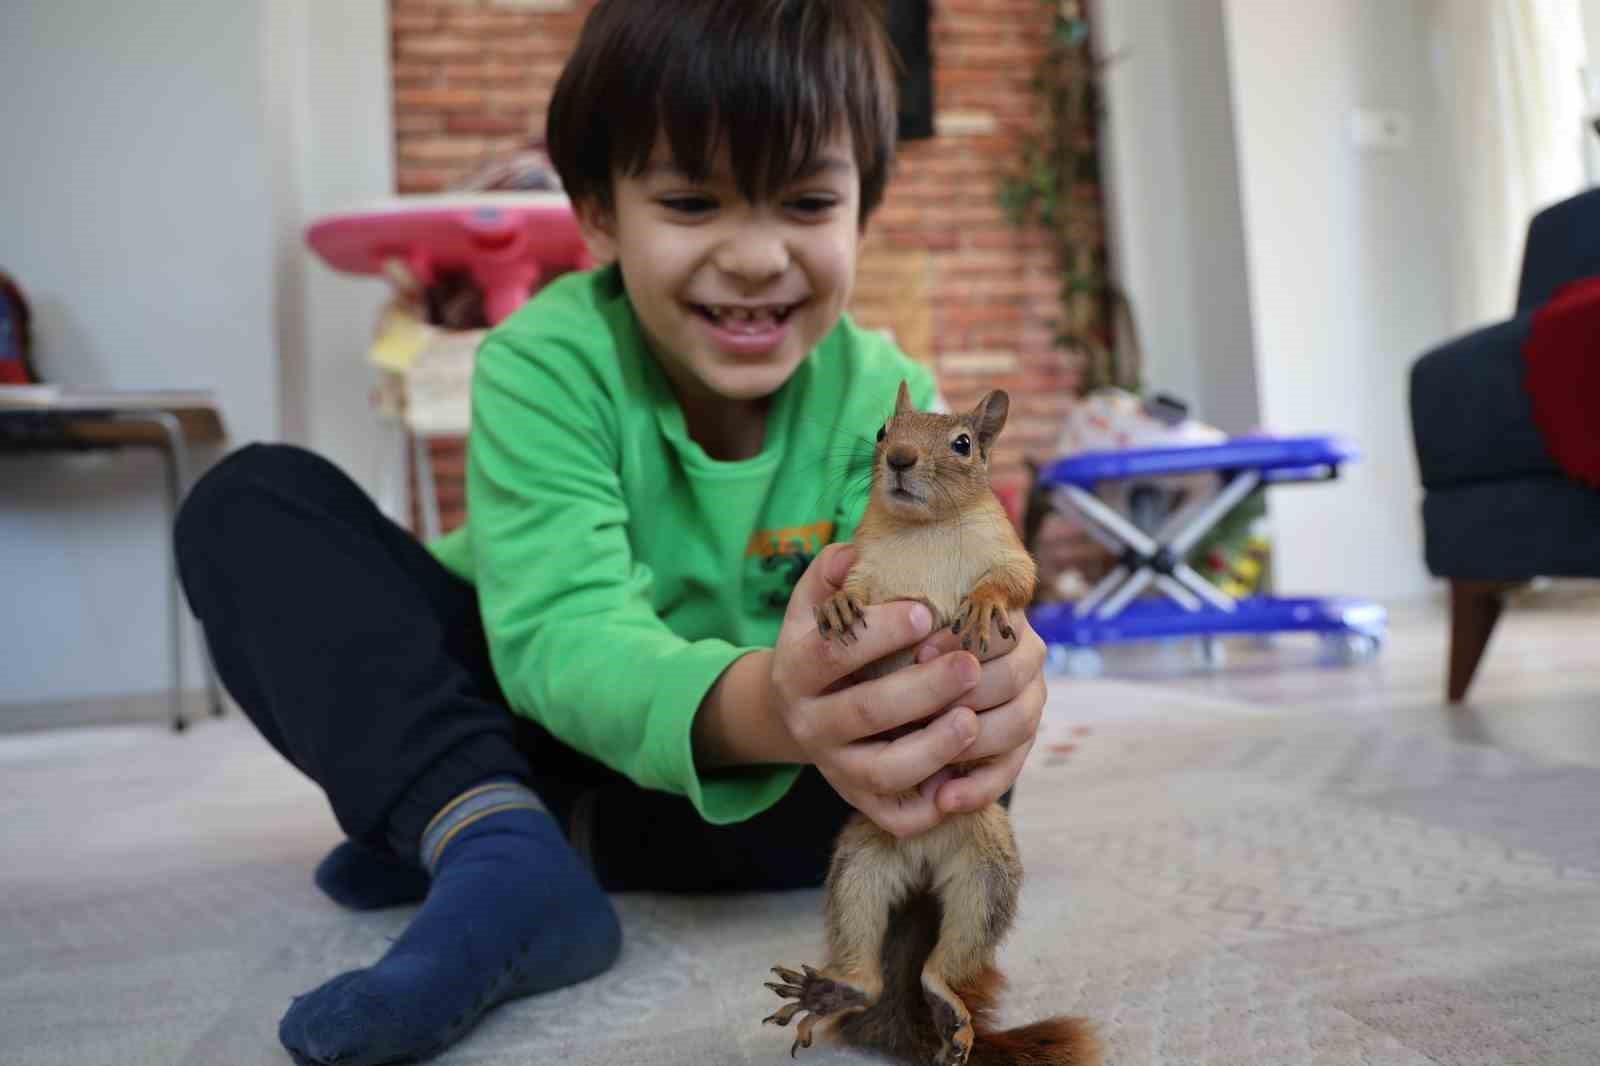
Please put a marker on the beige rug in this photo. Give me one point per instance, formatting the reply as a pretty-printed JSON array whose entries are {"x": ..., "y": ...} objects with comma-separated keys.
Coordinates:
[{"x": 1211, "y": 885}]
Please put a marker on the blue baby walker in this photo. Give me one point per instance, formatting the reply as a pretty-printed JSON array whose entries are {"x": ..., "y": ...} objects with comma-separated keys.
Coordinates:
[{"x": 1117, "y": 610}]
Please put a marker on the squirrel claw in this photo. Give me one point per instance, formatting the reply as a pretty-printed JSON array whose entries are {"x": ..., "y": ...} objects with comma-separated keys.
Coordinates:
[
  {"x": 783, "y": 1014},
  {"x": 837, "y": 616},
  {"x": 802, "y": 1036},
  {"x": 975, "y": 619}
]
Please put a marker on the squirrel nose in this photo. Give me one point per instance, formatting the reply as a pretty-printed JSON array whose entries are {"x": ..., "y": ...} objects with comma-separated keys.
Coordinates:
[{"x": 901, "y": 459}]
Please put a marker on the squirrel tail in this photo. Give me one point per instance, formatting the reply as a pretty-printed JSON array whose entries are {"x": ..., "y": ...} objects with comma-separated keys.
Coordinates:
[
  {"x": 1055, "y": 1041},
  {"x": 1058, "y": 1041}
]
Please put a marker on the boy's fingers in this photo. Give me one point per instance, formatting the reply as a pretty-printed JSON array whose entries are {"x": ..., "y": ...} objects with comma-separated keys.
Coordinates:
[
  {"x": 882, "y": 630},
  {"x": 1005, "y": 677},
  {"x": 902, "y": 764},
  {"x": 836, "y": 561},
  {"x": 903, "y": 814},
  {"x": 984, "y": 783},
  {"x": 1005, "y": 728},
  {"x": 907, "y": 695}
]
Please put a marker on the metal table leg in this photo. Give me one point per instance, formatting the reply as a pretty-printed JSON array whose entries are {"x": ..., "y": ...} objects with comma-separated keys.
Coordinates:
[
  {"x": 177, "y": 464},
  {"x": 427, "y": 492}
]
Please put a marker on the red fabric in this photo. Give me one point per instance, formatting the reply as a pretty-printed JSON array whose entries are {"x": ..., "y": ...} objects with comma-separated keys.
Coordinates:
[{"x": 1562, "y": 375}]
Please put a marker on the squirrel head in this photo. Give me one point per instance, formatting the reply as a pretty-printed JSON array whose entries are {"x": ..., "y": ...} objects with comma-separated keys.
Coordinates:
[{"x": 929, "y": 467}]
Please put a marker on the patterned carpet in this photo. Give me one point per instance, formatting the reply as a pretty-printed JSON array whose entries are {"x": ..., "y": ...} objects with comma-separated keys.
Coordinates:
[{"x": 1211, "y": 885}]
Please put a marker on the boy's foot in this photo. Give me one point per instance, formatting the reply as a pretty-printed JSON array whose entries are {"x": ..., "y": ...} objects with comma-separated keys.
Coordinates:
[
  {"x": 511, "y": 911},
  {"x": 366, "y": 880}
]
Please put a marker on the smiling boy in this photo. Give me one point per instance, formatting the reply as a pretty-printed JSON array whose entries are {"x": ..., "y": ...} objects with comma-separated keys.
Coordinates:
[{"x": 610, "y": 679}]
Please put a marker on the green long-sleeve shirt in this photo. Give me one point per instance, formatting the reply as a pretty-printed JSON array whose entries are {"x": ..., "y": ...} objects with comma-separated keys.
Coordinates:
[{"x": 619, "y": 569}]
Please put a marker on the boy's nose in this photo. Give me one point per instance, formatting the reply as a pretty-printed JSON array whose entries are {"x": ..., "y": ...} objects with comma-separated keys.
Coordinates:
[{"x": 753, "y": 254}]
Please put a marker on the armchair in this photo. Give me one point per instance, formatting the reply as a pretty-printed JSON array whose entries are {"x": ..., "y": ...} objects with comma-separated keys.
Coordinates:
[{"x": 1497, "y": 510}]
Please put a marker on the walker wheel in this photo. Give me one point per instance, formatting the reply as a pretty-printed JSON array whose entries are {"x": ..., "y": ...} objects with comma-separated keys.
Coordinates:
[
  {"x": 1351, "y": 649},
  {"x": 1074, "y": 661},
  {"x": 1210, "y": 653}
]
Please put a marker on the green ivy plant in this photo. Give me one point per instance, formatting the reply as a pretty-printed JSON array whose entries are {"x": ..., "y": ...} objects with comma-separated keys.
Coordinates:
[{"x": 1056, "y": 184}]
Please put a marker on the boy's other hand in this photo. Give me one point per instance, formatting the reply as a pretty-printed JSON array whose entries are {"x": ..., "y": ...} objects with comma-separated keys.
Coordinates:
[
  {"x": 837, "y": 724},
  {"x": 1009, "y": 699}
]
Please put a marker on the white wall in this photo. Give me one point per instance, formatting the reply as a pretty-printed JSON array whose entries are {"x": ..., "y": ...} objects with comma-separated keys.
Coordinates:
[
  {"x": 138, "y": 219},
  {"x": 1591, "y": 31},
  {"x": 338, "y": 147},
  {"x": 1591, "y": 39},
  {"x": 161, "y": 158},
  {"x": 1347, "y": 280},
  {"x": 1177, "y": 236}
]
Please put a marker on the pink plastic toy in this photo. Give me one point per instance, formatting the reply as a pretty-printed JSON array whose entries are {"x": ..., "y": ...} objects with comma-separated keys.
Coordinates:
[{"x": 509, "y": 241}]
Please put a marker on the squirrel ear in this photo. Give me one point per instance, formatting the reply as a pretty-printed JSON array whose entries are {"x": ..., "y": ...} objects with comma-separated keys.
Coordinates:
[
  {"x": 989, "y": 417},
  {"x": 902, "y": 400}
]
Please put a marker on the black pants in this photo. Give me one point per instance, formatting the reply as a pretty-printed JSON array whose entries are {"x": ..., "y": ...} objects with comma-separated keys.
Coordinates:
[{"x": 363, "y": 661}]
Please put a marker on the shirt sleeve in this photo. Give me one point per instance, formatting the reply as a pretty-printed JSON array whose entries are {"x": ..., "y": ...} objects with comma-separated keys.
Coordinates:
[{"x": 568, "y": 610}]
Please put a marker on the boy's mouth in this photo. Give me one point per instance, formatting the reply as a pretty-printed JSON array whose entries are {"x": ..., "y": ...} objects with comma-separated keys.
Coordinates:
[{"x": 741, "y": 318}]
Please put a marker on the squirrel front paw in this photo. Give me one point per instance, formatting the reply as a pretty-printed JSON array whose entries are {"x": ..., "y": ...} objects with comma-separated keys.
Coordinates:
[
  {"x": 815, "y": 995},
  {"x": 978, "y": 614},
  {"x": 838, "y": 615}
]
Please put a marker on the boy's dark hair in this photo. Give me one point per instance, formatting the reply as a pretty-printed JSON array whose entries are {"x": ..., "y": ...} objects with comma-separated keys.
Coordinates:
[{"x": 771, "y": 79}]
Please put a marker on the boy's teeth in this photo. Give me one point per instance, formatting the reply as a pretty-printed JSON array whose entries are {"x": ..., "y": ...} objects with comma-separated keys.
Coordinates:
[{"x": 744, "y": 314}]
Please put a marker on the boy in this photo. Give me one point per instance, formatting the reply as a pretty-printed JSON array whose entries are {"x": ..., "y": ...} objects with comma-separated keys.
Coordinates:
[{"x": 653, "y": 461}]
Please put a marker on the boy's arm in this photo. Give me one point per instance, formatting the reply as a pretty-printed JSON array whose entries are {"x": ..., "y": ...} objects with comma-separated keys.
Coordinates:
[
  {"x": 738, "y": 724},
  {"x": 568, "y": 610}
]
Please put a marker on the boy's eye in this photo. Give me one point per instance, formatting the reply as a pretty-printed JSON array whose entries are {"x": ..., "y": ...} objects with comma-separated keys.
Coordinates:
[
  {"x": 688, "y": 205},
  {"x": 883, "y": 431},
  {"x": 962, "y": 445},
  {"x": 813, "y": 205}
]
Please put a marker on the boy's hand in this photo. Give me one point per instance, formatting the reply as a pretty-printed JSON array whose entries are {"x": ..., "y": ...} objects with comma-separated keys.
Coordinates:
[
  {"x": 1009, "y": 699},
  {"x": 892, "y": 782}
]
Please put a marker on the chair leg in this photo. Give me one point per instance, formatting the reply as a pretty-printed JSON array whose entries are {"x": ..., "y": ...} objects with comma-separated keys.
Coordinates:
[{"x": 1475, "y": 607}]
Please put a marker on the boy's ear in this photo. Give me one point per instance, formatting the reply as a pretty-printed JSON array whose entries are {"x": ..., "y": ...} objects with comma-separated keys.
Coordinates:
[
  {"x": 599, "y": 229},
  {"x": 902, "y": 400},
  {"x": 989, "y": 418}
]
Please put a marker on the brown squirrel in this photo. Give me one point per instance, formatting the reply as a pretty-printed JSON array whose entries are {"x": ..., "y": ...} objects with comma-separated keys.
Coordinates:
[{"x": 913, "y": 924}]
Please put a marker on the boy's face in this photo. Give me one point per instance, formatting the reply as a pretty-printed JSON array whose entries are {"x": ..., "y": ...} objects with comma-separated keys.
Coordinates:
[{"x": 733, "y": 295}]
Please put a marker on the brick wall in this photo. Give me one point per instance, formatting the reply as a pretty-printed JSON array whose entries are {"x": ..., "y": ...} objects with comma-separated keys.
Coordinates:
[{"x": 961, "y": 288}]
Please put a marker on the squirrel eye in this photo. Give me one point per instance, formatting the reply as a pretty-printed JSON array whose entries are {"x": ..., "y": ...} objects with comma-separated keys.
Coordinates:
[
  {"x": 962, "y": 445},
  {"x": 883, "y": 431}
]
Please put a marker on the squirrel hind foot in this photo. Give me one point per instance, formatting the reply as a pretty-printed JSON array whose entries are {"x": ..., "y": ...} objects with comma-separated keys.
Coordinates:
[
  {"x": 952, "y": 1021},
  {"x": 814, "y": 997}
]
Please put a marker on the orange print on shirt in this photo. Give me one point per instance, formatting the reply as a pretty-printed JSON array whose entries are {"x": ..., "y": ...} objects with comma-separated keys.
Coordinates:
[{"x": 808, "y": 540}]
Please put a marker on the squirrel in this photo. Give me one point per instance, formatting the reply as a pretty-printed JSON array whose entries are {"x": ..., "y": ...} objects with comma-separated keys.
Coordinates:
[{"x": 913, "y": 924}]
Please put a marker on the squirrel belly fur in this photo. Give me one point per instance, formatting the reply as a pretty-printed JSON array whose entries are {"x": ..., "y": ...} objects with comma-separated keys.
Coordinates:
[{"x": 913, "y": 924}]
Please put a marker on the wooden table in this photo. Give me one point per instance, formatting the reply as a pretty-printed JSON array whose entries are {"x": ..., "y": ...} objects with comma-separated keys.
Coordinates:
[{"x": 50, "y": 420}]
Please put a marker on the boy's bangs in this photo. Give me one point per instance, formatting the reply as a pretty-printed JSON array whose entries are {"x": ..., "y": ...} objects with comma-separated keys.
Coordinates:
[{"x": 773, "y": 82}]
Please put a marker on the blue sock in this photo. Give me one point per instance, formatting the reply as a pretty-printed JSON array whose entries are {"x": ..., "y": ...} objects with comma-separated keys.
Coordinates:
[
  {"x": 511, "y": 911},
  {"x": 366, "y": 880}
]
